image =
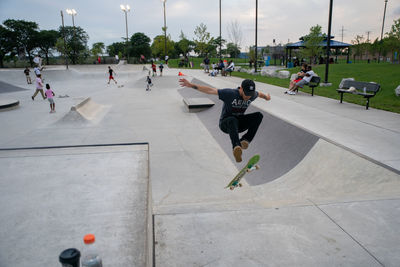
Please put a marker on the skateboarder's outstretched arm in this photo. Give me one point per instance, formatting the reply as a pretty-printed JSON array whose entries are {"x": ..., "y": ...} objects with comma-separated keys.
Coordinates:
[
  {"x": 264, "y": 96},
  {"x": 205, "y": 89}
]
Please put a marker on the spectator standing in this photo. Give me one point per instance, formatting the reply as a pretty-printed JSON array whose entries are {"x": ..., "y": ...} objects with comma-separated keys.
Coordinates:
[{"x": 206, "y": 62}]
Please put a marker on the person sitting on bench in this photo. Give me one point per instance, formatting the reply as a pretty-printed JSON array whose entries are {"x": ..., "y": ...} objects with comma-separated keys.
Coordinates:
[{"x": 306, "y": 79}]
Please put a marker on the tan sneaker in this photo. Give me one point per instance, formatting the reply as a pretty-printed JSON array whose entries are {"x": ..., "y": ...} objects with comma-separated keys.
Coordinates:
[
  {"x": 244, "y": 144},
  {"x": 237, "y": 153}
]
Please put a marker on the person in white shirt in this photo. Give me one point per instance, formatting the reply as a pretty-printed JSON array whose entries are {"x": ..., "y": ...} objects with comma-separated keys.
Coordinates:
[
  {"x": 230, "y": 68},
  {"x": 306, "y": 80},
  {"x": 36, "y": 70}
]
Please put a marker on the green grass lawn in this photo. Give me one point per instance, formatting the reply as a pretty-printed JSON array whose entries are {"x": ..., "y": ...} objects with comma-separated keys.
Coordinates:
[{"x": 386, "y": 74}]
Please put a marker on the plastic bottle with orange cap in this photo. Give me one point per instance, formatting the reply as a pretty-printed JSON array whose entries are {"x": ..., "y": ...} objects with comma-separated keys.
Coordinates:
[{"x": 90, "y": 256}]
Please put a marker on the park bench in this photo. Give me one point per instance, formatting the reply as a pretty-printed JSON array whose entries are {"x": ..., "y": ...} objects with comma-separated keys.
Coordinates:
[
  {"x": 314, "y": 82},
  {"x": 364, "y": 89}
]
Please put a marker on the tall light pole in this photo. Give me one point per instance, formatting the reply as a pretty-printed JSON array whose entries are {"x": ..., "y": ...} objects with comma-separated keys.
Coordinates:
[
  {"x": 65, "y": 42},
  {"x": 256, "y": 48},
  {"x": 126, "y": 9},
  {"x": 73, "y": 13},
  {"x": 165, "y": 31},
  {"x": 383, "y": 25},
  {"x": 220, "y": 37},
  {"x": 328, "y": 43}
]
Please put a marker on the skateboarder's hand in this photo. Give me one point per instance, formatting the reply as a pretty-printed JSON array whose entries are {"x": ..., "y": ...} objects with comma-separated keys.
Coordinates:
[{"x": 184, "y": 83}]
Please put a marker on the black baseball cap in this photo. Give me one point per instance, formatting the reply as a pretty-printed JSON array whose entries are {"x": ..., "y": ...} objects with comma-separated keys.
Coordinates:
[{"x": 249, "y": 87}]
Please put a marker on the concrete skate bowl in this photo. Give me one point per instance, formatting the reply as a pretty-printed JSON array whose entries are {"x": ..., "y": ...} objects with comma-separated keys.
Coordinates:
[
  {"x": 9, "y": 88},
  {"x": 159, "y": 82},
  {"x": 85, "y": 112},
  {"x": 297, "y": 164}
]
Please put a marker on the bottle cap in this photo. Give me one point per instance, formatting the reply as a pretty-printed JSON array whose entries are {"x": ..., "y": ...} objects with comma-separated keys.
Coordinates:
[{"x": 89, "y": 239}]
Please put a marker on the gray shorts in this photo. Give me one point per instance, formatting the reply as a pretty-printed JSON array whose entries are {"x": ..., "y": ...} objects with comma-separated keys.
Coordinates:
[
  {"x": 51, "y": 100},
  {"x": 301, "y": 83}
]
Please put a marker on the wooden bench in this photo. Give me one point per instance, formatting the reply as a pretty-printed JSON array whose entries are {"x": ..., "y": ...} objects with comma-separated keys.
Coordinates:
[{"x": 364, "y": 89}]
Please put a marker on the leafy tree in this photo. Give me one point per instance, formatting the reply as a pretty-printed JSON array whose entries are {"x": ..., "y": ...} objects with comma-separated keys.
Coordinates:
[
  {"x": 202, "y": 40},
  {"x": 393, "y": 38},
  {"x": 184, "y": 45},
  {"x": 48, "y": 40},
  {"x": 358, "y": 48},
  {"x": 97, "y": 49},
  {"x": 158, "y": 46},
  {"x": 6, "y": 44},
  {"x": 76, "y": 42},
  {"x": 213, "y": 46},
  {"x": 312, "y": 43},
  {"x": 233, "y": 50},
  {"x": 116, "y": 49},
  {"x": 140, "y": 45},
  {"x": 24, "y": 35}
]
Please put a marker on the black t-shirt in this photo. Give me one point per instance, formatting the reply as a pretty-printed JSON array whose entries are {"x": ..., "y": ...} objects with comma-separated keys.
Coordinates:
[
  {"x": 234, "y": 105},
  {"x": 111, "y": 72}
]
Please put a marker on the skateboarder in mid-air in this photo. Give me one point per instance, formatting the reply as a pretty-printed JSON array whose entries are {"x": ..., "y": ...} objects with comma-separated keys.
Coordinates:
[{"x": 233, "y": 120}]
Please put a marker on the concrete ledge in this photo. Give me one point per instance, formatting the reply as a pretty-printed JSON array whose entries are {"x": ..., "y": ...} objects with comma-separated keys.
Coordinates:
[
  {"x": 7, "y": 104},
  {"x": 198, "y": 103}
]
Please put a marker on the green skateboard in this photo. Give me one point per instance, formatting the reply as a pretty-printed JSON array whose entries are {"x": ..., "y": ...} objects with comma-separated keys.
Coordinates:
[{"x": 250, "y": 166}]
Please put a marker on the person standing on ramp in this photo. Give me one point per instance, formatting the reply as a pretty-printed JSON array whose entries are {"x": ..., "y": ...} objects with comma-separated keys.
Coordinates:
[{"x": 233, "y": 120}]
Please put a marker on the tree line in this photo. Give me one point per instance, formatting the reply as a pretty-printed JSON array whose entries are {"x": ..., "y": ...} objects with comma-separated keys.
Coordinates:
[
  {"x": 20, "y": 39},
  {"x": 389, "y": 46}
]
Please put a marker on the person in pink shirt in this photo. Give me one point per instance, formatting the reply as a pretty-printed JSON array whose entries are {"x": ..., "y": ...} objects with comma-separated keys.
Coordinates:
[
  {"x": 39, "y": 87},
  {"x": 50, "y": 94}
]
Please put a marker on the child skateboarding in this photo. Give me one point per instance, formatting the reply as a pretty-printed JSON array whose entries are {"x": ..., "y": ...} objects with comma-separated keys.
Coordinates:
[
  {"x": 148, "y": 84},
  {"x": 233, "y": 120},
  {"x": 111, "y": 77}
]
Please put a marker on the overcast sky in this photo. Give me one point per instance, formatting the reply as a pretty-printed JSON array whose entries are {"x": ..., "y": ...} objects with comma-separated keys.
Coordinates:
[{"x": 282, "y": 20}]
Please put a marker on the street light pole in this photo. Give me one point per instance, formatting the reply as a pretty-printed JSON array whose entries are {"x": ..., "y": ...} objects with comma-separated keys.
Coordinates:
[
  {"x": 383, "y": 25},
  {"x": 65, "y": 42},
  {"x": 328, "y": 43},
  {"x": 256, "y": 48},
  {"x": 126, "y": 9},
  {"x": 73, "y": 13},
  {"x": 165, "y": 31},
  {"x": 220, "y": 37}
]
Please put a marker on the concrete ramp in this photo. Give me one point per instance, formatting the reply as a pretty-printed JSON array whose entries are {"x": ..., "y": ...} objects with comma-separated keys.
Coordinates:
[
  {"x": 85, "y": 111},
  {"x": 281, "y": 145}
]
